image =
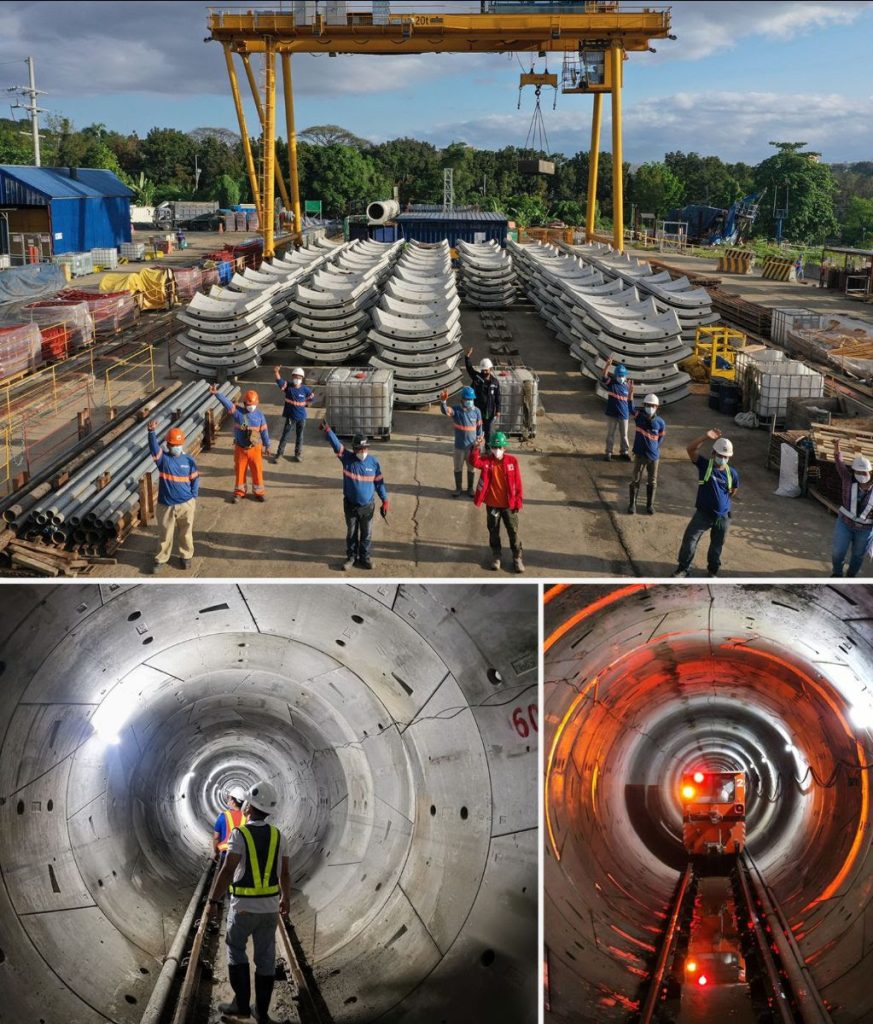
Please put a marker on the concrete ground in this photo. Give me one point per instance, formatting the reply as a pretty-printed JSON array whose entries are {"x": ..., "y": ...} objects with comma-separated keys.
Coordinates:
[{"x": 574, "y": 521}]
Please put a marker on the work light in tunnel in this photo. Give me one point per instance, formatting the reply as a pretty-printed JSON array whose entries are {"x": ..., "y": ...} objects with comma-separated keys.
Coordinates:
[
  {"x": 644, "y": 687},
  {"x": 384, "y": 715}
]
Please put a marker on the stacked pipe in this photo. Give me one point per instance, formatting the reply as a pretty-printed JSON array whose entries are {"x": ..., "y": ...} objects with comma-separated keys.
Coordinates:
[
  {"x": 90, "y": 508},
  {"x": 601, "y": 319},
  {"x": 232, "y": 328},
  {"x": 333, "y": 307},
  {"x": 416, "y": 327},
  {"x": 693, "y": 305},
  {"x": 486, "y": 278}
]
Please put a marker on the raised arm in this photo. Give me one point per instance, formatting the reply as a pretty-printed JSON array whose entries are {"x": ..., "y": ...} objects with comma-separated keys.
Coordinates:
[
  {"x": 154, "y": 447},
  {"x": 694, "y": 448},
  {"x": 333, "y": 440}
]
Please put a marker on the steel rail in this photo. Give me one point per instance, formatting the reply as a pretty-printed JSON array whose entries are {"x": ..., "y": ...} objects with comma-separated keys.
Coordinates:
[{"x": 667, "y": 949}]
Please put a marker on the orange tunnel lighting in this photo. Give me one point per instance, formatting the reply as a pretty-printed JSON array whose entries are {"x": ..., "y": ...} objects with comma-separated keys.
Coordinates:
[
  {"x": 688, "y": 792},
  {"x": 691, "y": 966}
]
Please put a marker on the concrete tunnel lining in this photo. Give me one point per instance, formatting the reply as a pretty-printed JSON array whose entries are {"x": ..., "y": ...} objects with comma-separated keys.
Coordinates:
[
  {"x": 386, "y": 711},
  {"x": 645, "y": 682}
]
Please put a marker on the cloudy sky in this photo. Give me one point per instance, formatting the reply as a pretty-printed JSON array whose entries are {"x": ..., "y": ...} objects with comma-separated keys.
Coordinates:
[{"x": 739, "y": 75}]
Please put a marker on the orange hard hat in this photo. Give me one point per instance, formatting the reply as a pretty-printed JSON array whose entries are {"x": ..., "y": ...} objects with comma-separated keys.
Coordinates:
[
  {"x": 175, "y": 436},
  {"x": 251, "y": 398}
]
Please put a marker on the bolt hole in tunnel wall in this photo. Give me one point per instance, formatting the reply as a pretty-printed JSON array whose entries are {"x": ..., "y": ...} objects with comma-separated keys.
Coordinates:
[
  {"x": 409, "y": 793},
  {"x": 645, "y": 683}
]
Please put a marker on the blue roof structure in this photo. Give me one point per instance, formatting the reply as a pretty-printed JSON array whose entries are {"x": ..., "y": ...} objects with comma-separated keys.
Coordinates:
[
  {"x": 57, "y": 183},
  {"x": 453, "y": 215}
]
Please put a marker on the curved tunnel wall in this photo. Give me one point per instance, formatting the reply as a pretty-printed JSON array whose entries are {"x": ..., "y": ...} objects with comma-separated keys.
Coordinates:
[
  {"x": 383, "y": 714},
  {"x": 643, "y": 683}
]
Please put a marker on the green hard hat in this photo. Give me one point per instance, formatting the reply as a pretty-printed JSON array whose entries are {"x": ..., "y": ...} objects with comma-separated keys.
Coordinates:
[{"x": 498, "y": 439}]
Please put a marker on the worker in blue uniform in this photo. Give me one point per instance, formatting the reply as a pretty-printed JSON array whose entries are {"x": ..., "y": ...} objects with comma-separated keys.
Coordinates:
[
  {"x": 467, "y": 422},
  {"x": 619, "y": 398},
  {"x": 362, "y": 481},
  {"x": 717, "y": 484},
  {"x": 298, "y": 398},
  {"x": 650, "y": 433},
  {"x": 178, "y": 487}
]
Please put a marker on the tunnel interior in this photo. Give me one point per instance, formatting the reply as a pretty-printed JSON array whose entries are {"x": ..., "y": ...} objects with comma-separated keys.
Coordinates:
[
  {"x": 643, "y": 684},
  {"x": 384, "y": 717}
]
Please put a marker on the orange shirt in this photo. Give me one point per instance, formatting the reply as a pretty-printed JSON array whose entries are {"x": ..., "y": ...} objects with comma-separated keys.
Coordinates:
[{"x": 498, "y": 492}]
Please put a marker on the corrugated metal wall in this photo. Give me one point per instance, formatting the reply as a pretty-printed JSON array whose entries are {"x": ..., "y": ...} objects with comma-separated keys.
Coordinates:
[
  {"x": 86, "y": 224},
  {"x": 16, "y": 193},
  {"x": 453, "y": 230}
]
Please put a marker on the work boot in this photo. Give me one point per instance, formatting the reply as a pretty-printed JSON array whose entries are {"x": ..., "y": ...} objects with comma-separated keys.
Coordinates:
[
  {"x": 627, "y": 456},
  {"x": 458, "y": 490},
  {"x": 260, "y": 497},
  {"x": 650, "y": 499},
  {"x": 607, "y": 457},
  {"x": 158, "y": 567},
  {"x": 275, "y": 458},
  {"x": 680, "y": 574},
  {"x": 298, "y": 456},
  {"x": 263, "y": 995},
  {"x": 494, "y": 564},
  {"x": 518, "y": 564},
  {"x": 241, "y": 983},
  {"x": 348, "y": 563},
  {"x": 185, "y": 563},
  {"x": 364, "y": 563},
  {"x": 234, "y": 498},
  {"x": 632, "y": 503}
]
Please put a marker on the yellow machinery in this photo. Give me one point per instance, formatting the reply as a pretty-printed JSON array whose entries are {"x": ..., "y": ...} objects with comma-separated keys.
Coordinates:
[
  {"x": 718, "y": 342},
  {"x": 598, "y": 28}
]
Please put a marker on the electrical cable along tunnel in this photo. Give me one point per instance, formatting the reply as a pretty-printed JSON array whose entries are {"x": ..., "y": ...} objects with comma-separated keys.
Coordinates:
[
  {"x": 650, "y": 687},
  {"x": 386, "y": 717}
]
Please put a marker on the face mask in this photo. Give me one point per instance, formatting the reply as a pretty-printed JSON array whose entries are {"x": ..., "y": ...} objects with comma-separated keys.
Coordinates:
[
  {"x": 862, "y": 478},
  {"x": 296, "y": 381},
  {"x": 251, "y": 408},
  {"x": 620, "y": 379},
  {"x": 720, "y": 460},
  {"x": 360, "y": 456},
  {"x": 468, "y": 403},
  {"x": 175, "y": 449},
  {"x": 497, "y": 452},
  {"x": 651, "y": 410}
]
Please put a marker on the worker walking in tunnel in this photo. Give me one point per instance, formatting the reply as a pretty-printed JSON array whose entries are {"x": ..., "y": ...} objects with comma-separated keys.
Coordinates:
[
  {"x": 649, "y": 437},
  {"x": 362, "y": 481},
  {"x": 257, "y": 870},
  {"x": 178, "y": 487},
  {"x": 298, "y": 398},
  {"x": 853, "y": 531},
  {"x": 251, "y": 443},
  {"x": 467, "y": 421},
  {"x": 227, "y": 821},
  {"x": 619, "y": 399},
  {"x": 500, "y": 491},
  {"x": 486, "y": 388},
  {"x": 717, "y": 484}
]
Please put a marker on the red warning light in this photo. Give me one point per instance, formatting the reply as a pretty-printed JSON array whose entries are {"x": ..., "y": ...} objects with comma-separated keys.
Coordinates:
[
  {"x": 702, "y": 980},
  {"x": 699, "y": 777}
]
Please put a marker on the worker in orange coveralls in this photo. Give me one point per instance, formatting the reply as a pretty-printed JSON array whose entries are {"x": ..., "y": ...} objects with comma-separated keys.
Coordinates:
[{"x": 251, "y": 442}]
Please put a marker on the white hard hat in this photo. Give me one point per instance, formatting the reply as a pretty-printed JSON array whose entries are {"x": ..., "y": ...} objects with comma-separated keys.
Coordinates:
[
  {"x": 861, "y": 464},
  {"x": 297, "y": 372},
  {"x": 651, "y": 400},
  {"x": 238, "y": 793},
  {"x": 723, "y": 447},
  {"x": 263, "y": 796},
  {"x": 486, "y": 364}
]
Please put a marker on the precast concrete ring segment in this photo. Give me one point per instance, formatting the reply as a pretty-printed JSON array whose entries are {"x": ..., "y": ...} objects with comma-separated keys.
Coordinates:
[
  {"x": 644, "y": 683},
  {"x": 387, "y": 717}
]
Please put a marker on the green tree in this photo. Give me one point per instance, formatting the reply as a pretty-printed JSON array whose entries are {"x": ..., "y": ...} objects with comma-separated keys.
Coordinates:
[
  {"x": 705, "y": 179},
  {"x": 343, "y": 178},
  {"x": 216, "y": 160},
  {"x": 858, "y": 222},
  {"x": 15, "y": 148},
  {"x": 411, "y": 165},
  {"x": 810, "y": 188},
  {"x": 168, "y": 159},
  {"x": 655, "y": 189},
  {"x": 332, "y": 135},
  {"x": 529, "y": 211},
  {"x": 228, "y": 191}
]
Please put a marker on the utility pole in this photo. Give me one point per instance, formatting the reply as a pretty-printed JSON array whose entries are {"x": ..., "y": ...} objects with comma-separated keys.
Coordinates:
[{"x": 31, "y": 92}]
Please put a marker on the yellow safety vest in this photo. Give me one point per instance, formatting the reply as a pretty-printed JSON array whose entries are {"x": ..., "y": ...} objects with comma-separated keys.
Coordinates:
[
  {"x": 263, "y": 882},
  {"x": 708, "y": 474}
]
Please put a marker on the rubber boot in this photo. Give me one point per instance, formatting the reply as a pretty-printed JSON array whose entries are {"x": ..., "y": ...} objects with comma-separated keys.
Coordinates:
[
  {"x": 458, "y": 491},
  {"x": 470, "y": 485},
  {"x": 263, "y": 995},
  {"x": 241, "y": 983},
  {"x": 632, "y": 503},
  {"x": 650, "y": 499}
]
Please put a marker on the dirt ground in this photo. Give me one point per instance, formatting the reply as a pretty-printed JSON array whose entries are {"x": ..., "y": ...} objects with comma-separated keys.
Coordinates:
[{"x": 574, "y": 521}]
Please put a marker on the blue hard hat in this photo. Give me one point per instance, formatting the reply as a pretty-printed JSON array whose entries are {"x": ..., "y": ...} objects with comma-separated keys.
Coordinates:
[
  {"x": 467, "y": 394},
  {"x": 621, "y": 370}
]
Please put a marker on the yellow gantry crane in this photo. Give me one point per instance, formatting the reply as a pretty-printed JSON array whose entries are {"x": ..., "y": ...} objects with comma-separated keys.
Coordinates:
[{"x": 594, "y": 37}]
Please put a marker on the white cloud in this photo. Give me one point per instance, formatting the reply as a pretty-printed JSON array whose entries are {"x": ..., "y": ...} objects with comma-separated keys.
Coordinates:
[
  {"x": 704, "y": 27},
  {"x": 733, "y": 125}
]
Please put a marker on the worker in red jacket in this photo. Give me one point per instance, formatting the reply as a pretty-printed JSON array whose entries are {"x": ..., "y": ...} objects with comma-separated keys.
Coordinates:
[{"x": 500, "y": 491}]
